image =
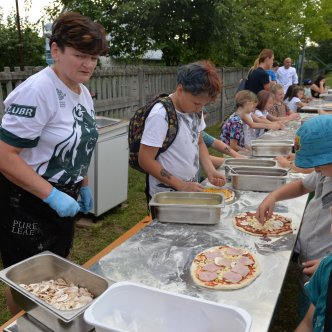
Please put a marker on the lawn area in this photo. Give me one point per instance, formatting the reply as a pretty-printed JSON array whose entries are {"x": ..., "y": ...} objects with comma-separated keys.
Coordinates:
[
  {"x": 329, "y": 80},
  {"x": 91, "y": 240}
]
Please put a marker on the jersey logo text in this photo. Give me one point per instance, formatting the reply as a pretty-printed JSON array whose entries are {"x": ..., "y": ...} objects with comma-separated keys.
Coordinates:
[{"x": 22, "y": 110}]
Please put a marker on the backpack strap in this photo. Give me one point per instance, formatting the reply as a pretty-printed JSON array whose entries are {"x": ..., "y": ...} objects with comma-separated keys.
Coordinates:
[
  {"x": 173, "y": 124},
  {"x": 328, "y": 308}
]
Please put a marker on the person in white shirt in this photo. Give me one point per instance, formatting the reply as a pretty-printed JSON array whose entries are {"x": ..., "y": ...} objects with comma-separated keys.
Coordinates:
[
  {"x": 177, "y": 168},
  {"x": 47, "y": 137},
  {"x": 286, "y": 75}
]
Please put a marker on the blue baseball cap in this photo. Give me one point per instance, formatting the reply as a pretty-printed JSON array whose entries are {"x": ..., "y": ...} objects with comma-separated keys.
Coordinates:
[{"x": 313, "y": 142}]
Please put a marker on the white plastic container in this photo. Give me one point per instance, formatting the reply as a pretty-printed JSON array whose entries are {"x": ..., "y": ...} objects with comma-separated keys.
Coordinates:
[{"x": 131, "y": 307}]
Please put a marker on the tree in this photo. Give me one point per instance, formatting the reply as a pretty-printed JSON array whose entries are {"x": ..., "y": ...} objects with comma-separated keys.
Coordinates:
[
  {"x": 33, "y": 45},
  {"x": 183, "y": 29},
  {"x": 228, "y": 32}
]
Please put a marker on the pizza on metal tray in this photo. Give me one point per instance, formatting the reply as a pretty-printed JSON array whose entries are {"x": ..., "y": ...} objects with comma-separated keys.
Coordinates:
[
  {"x": 224, "y": 267},
  {"x": 275, "y": 226}
]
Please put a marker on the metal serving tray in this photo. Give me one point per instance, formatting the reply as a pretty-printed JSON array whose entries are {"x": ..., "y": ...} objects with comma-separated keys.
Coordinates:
[
  {"x": 258, "y": 179},
  {"x": 232, "y": 162},
  {"x": 188, "y": 207},
  {"x": 46, "y": 266},
  {"x": 271, "y": 148},
  {"x": 327, "y": 96}
]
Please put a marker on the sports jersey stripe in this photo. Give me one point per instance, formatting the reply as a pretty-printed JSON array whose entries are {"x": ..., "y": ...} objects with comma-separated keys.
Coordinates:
[{"x": 16, "y": 141}]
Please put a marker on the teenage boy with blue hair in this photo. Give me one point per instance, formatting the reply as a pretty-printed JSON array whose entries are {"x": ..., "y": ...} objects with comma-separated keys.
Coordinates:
[
  {"x": 177, "y": 168},
  {"x": 313, "y": 146}
]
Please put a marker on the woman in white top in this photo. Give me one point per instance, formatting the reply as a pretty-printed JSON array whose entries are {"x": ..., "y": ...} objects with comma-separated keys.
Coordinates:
[{"x": 47, "y": 137}]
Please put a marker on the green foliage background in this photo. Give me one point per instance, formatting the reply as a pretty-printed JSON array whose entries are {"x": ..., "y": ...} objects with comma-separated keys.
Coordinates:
[
  {"x": 32, "y": 44},
  {"x": 227, "y": 32}
]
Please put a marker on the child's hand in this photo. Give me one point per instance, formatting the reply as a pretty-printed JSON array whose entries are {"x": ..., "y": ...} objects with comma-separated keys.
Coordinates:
[
  {"x": 275, "y": 125},
  {"x": 290, "y": 157},
  {"x": 191, "y": 186},
  {"x": 282, "y": 161},
  {"x": 265, "y": 209},
  {"x": 217, "y": 178},
  {"x": 310, "y": 267},
  {"x": 295, "y": 116}
]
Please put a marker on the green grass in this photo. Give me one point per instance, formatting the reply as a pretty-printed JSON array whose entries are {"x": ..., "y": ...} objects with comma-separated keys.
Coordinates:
[
  {"x": 89, "y": 241},
  {"x": 329, "y": 80}
]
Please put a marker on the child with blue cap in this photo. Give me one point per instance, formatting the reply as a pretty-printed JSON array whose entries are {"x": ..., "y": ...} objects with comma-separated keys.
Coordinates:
[{"x": 313, "y": 146}]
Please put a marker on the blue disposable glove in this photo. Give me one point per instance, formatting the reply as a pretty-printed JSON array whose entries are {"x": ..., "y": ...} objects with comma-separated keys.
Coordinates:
[
  {"x": 86, "y": 201},
  {"x": 63, "y": 204}
]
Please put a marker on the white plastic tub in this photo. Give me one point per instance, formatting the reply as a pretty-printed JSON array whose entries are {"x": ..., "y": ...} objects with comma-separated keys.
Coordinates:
[{"x": 131, "y": 307}]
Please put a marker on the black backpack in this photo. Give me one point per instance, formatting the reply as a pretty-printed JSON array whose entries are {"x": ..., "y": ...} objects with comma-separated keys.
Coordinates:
[{"x": 137, "y": 124}]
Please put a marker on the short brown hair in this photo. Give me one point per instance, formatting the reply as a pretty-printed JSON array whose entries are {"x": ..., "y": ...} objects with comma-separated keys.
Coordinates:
[
  {"x": 80, "y": 32},
  {"x": 265, "y": 53}
]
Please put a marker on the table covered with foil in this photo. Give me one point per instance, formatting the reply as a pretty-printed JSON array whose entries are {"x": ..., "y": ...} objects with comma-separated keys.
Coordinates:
[{"x": 160, "y": 256}]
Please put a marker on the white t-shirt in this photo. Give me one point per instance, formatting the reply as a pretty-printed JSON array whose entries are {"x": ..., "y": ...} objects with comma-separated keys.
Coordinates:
[
  {"x": 287, "y": 77},
  {"x": 249, "y": 133},
  {"x": 54, "y": 126},
  {"x": 182, "y": 157},
  {"x": 260, "y": 114},
  {"x": 293, "y": 103}
]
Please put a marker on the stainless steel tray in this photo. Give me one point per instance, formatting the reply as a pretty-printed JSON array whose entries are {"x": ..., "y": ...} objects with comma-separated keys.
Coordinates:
[
  {"x": 232, "y": 162},
  {"x": 46, "y": 266},
  {"x": 258, "y": 179},
  {"x": 271, "y": 148},
  {"x": 188, "y": 207}
]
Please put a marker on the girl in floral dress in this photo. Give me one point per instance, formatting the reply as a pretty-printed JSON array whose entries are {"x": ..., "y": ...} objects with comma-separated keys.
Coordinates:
[{"x": 232, "y": 132}]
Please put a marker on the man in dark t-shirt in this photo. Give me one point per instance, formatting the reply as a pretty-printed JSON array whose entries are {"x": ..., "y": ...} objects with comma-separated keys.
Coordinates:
[{"x": 257, "y": 80}]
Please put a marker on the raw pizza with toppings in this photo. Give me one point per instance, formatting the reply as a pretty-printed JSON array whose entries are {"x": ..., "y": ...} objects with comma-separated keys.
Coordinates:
[
  {"x": 224, "y": 267},
  {"x": 228, "y": 194},
  {"x": 275, "y": 226}
]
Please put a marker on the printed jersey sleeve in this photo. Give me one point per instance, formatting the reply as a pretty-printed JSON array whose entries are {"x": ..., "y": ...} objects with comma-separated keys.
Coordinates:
[
  {"x": 156, "y": 126},
  {"x": 26, "y": 114}
]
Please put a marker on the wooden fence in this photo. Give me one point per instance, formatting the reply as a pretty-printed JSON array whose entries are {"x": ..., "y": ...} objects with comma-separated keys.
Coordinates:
[{"x": 121, "y": 90}]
